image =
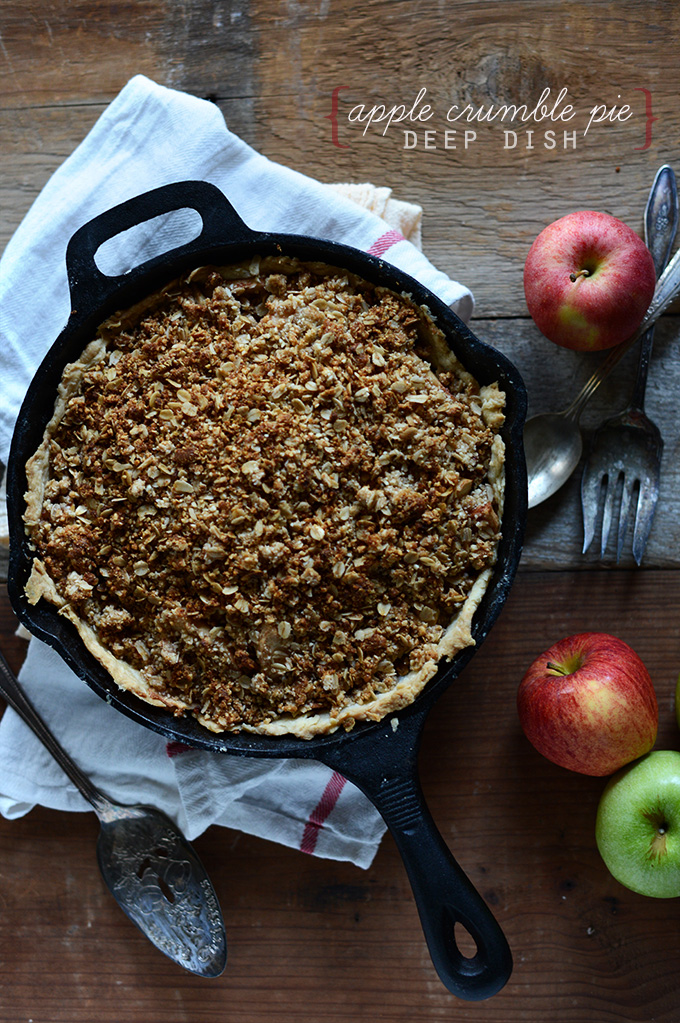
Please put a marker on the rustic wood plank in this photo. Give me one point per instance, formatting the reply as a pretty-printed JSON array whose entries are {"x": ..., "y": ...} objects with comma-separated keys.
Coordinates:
[
  {"x": 273, "y": 68},
  {"x": 312, "y": 939},
  {"x": 483, "y": 205}
]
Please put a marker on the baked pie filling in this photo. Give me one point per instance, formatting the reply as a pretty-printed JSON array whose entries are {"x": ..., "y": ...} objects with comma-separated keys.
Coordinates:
[{"x": 269, "y": 496}]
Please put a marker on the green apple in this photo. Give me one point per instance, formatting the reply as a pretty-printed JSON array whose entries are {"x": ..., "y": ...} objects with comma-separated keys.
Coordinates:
[{"x": 638, "y": 825}]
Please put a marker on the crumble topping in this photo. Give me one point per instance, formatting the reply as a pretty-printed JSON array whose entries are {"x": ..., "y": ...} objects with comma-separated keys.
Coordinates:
[{"x": 269, "y": 495}]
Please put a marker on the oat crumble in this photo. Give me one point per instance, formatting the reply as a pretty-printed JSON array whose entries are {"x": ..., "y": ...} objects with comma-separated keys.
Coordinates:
[{"x": 270, "y": 496}]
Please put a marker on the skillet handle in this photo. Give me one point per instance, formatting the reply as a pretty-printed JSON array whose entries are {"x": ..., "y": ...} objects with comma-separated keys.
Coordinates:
[
  {"x": 221, "y": 223},
  {"x": 446, "y": 897},
  {"x": 386, "y": 771}
]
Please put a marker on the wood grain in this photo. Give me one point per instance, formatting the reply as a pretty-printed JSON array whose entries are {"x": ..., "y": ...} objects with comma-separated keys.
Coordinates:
[
  {"x": 319, "y": 940},
  {"x": 272, "y": 68}
]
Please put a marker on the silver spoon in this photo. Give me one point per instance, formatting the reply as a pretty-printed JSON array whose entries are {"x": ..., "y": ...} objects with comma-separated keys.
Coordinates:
[
  {"x": 552, "y": 440},
  {"x": 150, "y": 868}
]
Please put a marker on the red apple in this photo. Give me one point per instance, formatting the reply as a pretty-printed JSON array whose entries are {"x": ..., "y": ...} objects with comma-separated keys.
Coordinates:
[
  {"x": 588, "y": 281},
  {"x": 588, "y": 704}
]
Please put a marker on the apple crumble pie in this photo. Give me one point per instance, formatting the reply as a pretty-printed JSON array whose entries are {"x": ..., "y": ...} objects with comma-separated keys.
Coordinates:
[{"x": 270, "y": 496}]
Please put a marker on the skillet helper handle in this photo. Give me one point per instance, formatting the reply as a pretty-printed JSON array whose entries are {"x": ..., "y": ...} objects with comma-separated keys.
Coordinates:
[{"x": 221, "y": 223}]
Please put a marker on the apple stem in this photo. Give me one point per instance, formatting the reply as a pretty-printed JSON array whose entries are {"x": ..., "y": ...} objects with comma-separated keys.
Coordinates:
[
  {"x": 581, "y": 273},
  {"x": 557, "y": 669}
]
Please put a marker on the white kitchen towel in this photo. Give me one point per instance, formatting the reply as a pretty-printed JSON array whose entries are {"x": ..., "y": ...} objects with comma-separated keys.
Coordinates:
[
  {"x": 299, "y": 803},
  {"x": 150, "y": 136},
  {"x": 405, "y": 217}
]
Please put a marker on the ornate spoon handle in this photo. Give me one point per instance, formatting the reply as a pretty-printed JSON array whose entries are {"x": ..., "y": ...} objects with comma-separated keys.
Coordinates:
[
  {"x": 667, "y": 290},
  {"x": 12, "y": 692},
  {"x": 661, "y": 225}
]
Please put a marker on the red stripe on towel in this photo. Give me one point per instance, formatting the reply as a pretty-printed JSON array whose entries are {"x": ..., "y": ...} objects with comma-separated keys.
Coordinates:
[
  {"x": 173, "y": 749},
  {"x": 321, "y": 811},
  {"x": 385, "y": 242}
]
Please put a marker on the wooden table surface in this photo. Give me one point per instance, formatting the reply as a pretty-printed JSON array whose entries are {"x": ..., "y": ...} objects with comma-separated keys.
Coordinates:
[{"x": 317, "y": 940}]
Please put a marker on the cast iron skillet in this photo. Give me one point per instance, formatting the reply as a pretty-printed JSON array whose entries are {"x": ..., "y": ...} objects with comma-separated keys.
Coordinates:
[{"x": 380, "y": 757}]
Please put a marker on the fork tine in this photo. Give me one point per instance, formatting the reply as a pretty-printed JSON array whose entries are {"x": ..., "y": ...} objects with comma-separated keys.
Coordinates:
[
  {"x": 620, "y": 484},
  {"x": 628, "y": 487},
  {"x": 592, "y": 485},
  {"x": 649, "y": 492},
  {"x": 608, "y": 510}
]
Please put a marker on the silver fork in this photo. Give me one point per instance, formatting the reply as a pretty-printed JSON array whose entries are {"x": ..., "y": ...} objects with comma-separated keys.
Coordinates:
[{"x": 625, "y": 451}]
